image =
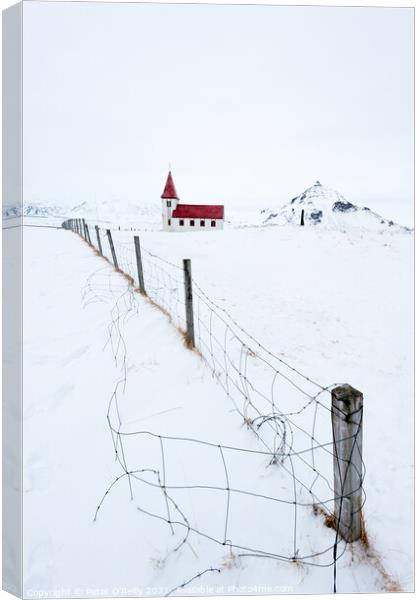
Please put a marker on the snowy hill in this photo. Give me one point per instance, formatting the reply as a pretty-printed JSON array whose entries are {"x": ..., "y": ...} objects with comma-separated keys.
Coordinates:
[
  {"x": 325, "y": 207},
  {"x": 119, "y": 212},
  {"x": 143, "y": 214}
]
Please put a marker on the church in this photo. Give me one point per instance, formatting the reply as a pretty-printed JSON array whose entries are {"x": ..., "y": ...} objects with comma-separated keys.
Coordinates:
[{"x": 188, "y": 217}]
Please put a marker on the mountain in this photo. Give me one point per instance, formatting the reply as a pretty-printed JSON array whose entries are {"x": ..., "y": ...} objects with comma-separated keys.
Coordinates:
[
  {"x": 32, "y": 210},
  {"x": 111, "y": 211},
  {"x": 324, "y": 207}
]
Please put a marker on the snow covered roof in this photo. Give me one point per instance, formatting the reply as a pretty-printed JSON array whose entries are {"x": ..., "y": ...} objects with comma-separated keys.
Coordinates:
[
  {"x": 199, "y": 211},
  {"x": 169, "y": 191}
]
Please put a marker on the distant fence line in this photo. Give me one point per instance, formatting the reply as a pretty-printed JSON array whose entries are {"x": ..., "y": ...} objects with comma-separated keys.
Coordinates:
[{"x": 272, "y": 397}]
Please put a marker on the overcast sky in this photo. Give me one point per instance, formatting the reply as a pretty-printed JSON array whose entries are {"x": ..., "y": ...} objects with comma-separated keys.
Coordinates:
[{"x": 249, "y": 104}]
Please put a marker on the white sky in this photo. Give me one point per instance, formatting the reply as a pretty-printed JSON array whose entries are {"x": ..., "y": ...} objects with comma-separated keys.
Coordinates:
[{"x": 249, "y": 104}]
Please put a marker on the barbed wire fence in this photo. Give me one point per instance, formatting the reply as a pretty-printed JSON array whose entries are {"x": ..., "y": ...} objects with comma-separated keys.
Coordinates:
[{"x": 311, "y": 432}]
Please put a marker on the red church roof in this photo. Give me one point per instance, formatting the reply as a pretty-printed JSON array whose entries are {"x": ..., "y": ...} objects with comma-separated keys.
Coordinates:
[
  {"x": 199, "y": 211},
  {"x": 169, "y": 191}
]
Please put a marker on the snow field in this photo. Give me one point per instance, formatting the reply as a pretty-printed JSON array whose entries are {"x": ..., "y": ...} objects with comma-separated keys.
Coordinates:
[{"x": 171, "y": 391}]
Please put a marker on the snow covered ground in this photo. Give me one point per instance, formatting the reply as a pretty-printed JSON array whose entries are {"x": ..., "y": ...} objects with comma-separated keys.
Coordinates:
[{"x": 335, "y": 305}]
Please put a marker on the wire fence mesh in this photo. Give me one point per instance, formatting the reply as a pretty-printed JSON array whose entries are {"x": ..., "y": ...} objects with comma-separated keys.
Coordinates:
[{"x": 287, "y": 413}]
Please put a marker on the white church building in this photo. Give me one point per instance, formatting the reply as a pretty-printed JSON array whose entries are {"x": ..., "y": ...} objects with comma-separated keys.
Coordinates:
[{"x": 188, "y": 217}]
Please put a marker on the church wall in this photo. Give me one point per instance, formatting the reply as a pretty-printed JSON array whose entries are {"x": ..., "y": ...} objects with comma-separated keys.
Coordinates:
[{"x": 175, "y": 226}]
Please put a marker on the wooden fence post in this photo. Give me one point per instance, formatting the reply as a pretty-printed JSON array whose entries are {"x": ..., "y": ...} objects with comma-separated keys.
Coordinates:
[
  {"x": 80, "y": 227},
  {"x": 139, "y": 264},
  {"x": 189, "y": 301},
  {"x": 347, "y": 424},
  {"x": 98, "y": 237},
  {"x": 88, "y": 235},
  {"x": 302, "y": 217},
  {"x": 111, "y": 245},
  {"x": 84, "y": 229}
]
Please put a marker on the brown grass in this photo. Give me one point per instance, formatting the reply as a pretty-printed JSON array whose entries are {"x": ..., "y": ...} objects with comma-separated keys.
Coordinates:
[
  {"x": 159, "y": 308},
  {"x": 364, "y": 539},
  {"x": 127, "y": 277},
  {"x": 184, "y": 335},
  {"x": 185, "y": 338},
  {"x": 363, "y": 548},
  {"x": 330, "y": 520}
]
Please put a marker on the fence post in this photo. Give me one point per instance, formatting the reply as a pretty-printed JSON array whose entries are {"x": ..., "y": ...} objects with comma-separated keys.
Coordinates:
[
  {"x": 84, "y": 229},
  {"x": 98, "y": 237},
  {"x": 111, "y": 245},
  {"x": 302, "y": 217},
  {"x": 139, "y": 264},
  {"x": 80, "y": 227},
  {"x": 88, "y": 235},
  {"x": 347, "y": 426},
  {"x": 189, "y": 301}
]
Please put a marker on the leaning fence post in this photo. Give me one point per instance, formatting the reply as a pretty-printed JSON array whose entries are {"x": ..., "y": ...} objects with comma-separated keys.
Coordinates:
[
  {"x": 139, "y": 264},
  {"x": 98, "y": 237},
  {"x": 84, "y": 229},
  {"x": 88, "y": 235},
  {"x": 302, "y": 217},
  {"x": 111, "y": 245},
  {"x": 347, "y": 425},
  {"x": 189, "y": 301}
]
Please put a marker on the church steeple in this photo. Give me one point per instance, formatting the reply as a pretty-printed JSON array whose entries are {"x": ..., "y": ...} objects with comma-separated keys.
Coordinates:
[
  {"x": 169, "y": 192},
  {"x": 169, "y": 202}
]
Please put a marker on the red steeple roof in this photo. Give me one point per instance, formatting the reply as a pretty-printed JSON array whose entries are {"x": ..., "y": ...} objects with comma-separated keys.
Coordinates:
[
  {"x": 199, "y": 211},
  {"x": 170, "y": 192}
]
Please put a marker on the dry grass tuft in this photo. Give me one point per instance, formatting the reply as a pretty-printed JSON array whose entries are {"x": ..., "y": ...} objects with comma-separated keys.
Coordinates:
[
  {"x": 364, "y": 539},
  {"x": 126, "y": 276},
  {"x": 186, "y": 339},
  {"x": 230, "y": 562},
  {"x": 329, "y": 518},
  {"x": 363, "y": 549},
  {"x": 159, "y": 308},
  {"x": 330, "y": 521},
  {"x": 389, "y": 584}
]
